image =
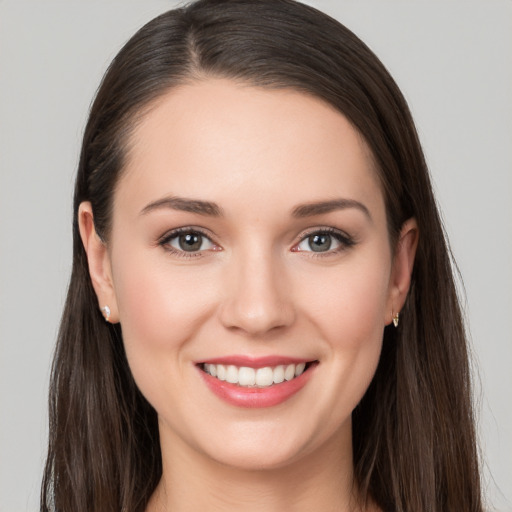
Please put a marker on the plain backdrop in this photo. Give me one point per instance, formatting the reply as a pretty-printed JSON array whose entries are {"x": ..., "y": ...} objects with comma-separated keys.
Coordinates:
[{"x": 453, "y": 61}]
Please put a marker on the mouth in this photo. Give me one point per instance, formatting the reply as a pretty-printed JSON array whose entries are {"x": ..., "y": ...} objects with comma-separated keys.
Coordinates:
[
  {"x": 248, "y": 377},
  {"x": 244, "y": 382}
]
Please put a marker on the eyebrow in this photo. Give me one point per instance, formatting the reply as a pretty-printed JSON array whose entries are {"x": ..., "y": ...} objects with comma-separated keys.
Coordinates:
[
  {"x": 185, "y": 205},
  {"x": 321, "y": 207},
  {"x": 213, "y": 210}
]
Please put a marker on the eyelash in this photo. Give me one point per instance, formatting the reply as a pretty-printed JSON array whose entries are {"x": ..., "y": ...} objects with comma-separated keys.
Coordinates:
[{"x": 345, "y": 241}]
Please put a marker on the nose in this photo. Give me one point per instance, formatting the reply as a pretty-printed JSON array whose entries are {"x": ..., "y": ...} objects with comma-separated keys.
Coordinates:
[{"x": 258, "y": 297}]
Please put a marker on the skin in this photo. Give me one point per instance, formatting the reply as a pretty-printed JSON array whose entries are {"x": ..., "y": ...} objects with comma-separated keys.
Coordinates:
[{"x": 257, "y": 289}]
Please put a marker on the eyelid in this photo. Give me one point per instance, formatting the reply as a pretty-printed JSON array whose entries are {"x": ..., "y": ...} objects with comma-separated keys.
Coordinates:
[{"x": 185, "y": 229}]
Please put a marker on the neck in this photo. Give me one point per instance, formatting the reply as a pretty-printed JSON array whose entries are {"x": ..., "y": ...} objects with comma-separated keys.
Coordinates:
[{"x": 321, "y": 480}]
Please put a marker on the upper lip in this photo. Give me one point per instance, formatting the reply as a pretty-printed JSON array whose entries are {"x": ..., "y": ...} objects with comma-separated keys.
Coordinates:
[{"x": 255, "y": 362}]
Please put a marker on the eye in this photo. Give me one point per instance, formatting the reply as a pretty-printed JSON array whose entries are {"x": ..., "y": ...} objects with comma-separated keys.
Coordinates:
[
  {"x": 324, "y": 241},
  {"x": 187, "y": 241},
  {"x": 190, "y": 242}
]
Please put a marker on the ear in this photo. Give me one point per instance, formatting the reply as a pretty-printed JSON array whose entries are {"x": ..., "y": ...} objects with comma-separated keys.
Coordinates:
[
  {"x": 99, "y": 262},
  {"x": 403, "y": 263}
]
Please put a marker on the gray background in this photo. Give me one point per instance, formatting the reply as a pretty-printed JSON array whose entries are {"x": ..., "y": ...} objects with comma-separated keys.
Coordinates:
[{"x": 451, "y": 59}]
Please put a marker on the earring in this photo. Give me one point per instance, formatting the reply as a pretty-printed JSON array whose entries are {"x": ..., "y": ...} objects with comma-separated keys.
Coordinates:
[
  {"x": 106, "y": 313},
  {"x": 395, "y": 319}
]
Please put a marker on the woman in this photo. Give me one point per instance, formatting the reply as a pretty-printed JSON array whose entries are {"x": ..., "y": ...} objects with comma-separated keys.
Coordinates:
[{"x": 261, "y": 313}]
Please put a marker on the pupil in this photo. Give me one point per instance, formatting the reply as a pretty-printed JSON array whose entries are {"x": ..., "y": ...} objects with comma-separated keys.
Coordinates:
[
  {"x": 190, "y": 242},
  {"x": 320, "y": 243}
]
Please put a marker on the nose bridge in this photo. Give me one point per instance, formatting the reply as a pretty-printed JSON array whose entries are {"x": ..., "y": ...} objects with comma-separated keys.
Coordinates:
[{"x": 257, "y": 298}]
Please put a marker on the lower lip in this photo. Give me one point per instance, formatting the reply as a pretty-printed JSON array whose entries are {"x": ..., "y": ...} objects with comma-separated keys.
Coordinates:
[{"x": 256, "y": 397}]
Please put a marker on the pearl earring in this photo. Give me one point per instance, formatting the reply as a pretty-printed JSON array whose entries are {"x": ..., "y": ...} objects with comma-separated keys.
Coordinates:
[
  {"x": 395, "y": 319},
  {"x": 106, "y": 312}
]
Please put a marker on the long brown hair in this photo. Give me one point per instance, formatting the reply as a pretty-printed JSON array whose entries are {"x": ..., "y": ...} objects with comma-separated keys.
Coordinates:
[{"x": 413, "y": 432}]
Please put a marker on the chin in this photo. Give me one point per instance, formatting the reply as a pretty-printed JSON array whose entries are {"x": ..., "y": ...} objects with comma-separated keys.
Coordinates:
[
  {"x": 268, "y": 447},
  {"x": 256, "y": 458}
]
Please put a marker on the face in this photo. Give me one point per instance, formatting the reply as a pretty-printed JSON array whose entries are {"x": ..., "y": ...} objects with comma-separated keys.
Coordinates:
[{"x": 250, "y": 268}]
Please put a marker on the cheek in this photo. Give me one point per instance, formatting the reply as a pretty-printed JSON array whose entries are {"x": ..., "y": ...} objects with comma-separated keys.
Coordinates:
[
  {"x": 347, "y": 307},
  {"x": 351, "y": 319},
  {"x": 349, "y": 303},
  {"x": 160, "y": 308},
  {"x": 354, "y": 329}
]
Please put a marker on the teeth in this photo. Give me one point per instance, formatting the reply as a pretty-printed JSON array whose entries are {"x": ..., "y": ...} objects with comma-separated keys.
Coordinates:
[
  {"x": 289, "y": 372},
  {"x": 299, "y": 369},
  {"x": 221, "y": 371},
  {"x": 264, "y": 377},
  {"x": 278, "y": 374},
  {"x": 232, "y": 374},
  {"x": 249, "y": 377}
]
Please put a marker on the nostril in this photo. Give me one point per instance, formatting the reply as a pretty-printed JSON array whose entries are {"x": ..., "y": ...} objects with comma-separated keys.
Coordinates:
[{"x": 255, "y": 321}]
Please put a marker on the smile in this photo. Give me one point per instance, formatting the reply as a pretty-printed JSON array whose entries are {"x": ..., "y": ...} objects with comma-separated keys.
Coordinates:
[
  {"x": 255, "y": 383},
  {"x": 245, "y": 376}
]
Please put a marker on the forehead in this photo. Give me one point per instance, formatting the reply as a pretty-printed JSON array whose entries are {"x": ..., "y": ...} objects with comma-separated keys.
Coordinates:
[{"x": 220, "y": 140}]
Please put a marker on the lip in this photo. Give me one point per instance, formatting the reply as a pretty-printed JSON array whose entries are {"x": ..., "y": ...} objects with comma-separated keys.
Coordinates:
[{"x": 252, "y": 398}]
